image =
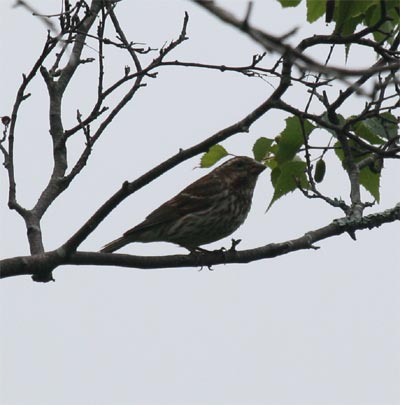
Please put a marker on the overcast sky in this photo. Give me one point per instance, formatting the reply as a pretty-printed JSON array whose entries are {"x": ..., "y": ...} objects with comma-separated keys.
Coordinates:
[{"x": 312, "y": 327}]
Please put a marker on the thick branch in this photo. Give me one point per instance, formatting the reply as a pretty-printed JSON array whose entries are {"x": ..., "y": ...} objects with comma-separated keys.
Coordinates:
[
  {"x": 33, "y": 265},
  {"x": 56, "y": 89}
]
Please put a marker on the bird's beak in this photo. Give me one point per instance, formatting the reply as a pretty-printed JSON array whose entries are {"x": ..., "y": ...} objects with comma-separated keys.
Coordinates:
[{"x": 258, "y": 168}]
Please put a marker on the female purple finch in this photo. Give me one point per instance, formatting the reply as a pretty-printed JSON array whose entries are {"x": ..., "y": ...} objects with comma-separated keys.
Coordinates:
[{"x": 207, "y": 210}]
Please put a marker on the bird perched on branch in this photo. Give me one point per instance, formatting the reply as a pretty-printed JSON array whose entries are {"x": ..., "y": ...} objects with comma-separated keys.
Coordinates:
[{"x": 207, "y": 210}]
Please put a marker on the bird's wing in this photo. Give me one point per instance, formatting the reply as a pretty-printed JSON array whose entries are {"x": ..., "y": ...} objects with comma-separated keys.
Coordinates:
[{"x": 197, "y": 197}]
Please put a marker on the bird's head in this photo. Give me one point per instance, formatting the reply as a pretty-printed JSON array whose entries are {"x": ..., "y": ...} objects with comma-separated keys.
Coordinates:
[
  {"x": 241, "y": 170},
  {"x": 243, "y": 165}
]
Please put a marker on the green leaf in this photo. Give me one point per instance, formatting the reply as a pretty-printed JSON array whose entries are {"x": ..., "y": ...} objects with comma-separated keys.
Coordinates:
[
  {"x": 368, "y": 130},
  {"x": 374, "y": 14},
  {"x": 292, "y": 138},
  {"x": 339, "y": 151},
  {"x": 377, "y": 130},
  {"x": 271, "y": 163},
  {"x": 359, "y": 153},
  {"x": 212, "y": 156},
  {"x": 349, "y": 26},
  {"x": 346, "y": 10},
  {"x": 286, "y": 177},
  {"x": 349, "y": 13},
  {"x": 262, "y": 148},
  {"x": 390, "y": 124},
  {"x": 370, "y": 181},
  {"x": 289, "y": 3},
  {"x": 315, "y": 10}
]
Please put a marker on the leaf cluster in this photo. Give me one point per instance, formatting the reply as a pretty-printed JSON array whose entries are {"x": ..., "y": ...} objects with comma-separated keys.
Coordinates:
[{"x": 348, "y": 14}]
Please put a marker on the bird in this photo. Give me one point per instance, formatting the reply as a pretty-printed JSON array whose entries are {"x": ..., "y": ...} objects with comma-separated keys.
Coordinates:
[{"x": 206, "y": 211}]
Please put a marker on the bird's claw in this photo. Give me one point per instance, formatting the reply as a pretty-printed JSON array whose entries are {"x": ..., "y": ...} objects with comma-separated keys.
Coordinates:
[
  {"x": 209, "y": 267},
  {"x": 197, "y": 252}
]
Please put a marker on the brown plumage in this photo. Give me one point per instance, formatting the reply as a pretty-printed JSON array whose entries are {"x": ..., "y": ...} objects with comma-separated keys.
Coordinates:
[{"x": 207, "y": 210}]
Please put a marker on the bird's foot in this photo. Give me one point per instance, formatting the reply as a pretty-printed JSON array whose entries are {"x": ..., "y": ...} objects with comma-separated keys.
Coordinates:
[{"x": 198, "y": 253}]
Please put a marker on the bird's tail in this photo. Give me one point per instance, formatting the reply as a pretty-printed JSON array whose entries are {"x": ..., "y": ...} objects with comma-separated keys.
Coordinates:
[{"x": 115, "y": 244}]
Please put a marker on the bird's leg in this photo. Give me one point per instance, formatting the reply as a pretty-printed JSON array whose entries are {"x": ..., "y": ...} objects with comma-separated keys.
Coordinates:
[
  {"x": 196, "y": 252},
  {"x": 209, "y": 267}
]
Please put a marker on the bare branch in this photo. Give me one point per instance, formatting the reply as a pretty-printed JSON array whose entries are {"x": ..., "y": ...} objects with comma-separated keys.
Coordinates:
[
  {"x": 302, "y": 61},
  {"x": 34, "y": 265},
  {"x": 21, "y": 96},
  {"x": 123, "y": 39}
]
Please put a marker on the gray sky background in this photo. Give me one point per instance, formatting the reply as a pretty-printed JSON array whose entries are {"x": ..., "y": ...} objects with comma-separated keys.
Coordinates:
[{"x": 312, "y": 327}]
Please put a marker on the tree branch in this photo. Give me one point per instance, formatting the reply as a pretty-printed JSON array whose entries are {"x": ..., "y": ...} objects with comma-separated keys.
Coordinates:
[
  {"x": 33, "y": 265},
  {"x": 302, "y": 61},
  {"x": 21, "y": 96}
]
